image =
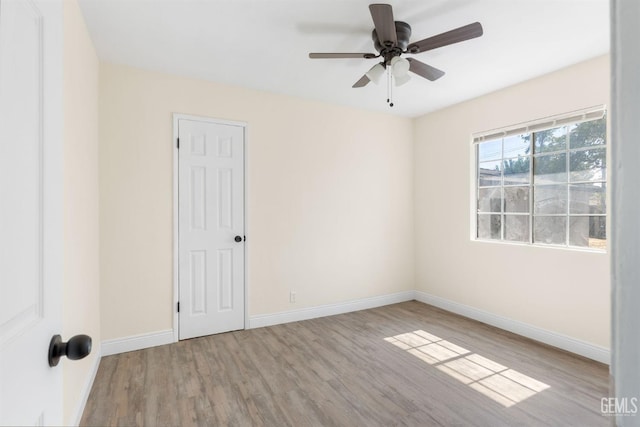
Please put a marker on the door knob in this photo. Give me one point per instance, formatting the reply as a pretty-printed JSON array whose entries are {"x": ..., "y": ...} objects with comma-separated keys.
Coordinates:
[
  {"x": 238, "y": 239},
  {"x": 76, "y": 348}
]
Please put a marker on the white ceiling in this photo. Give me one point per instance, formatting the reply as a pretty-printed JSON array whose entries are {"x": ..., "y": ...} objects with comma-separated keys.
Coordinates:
[{"x": 263, "y": 44}]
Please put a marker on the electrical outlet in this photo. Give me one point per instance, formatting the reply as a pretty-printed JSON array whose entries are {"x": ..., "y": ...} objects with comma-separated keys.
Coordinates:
[{"x": 292, "y": 297}]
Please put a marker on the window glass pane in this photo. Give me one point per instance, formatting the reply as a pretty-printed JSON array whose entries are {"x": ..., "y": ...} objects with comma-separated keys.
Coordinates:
[
  {"x": 588, "y": 231},
  {"x": 588, "y": 198},
  {"x": 516, "y": 228},
  {"x": 551, "y": 230},
  {"x": 516, "y": 171},
  {"x": 550, "y": 199},
  {"x": 516, "y": 199},
  {"x": 489, "y": 199},
  {"x": 490, "y": 150},
  {"x": 489, "y": 226},
  {"x": 588, "y": 165},
  {"x": 489, "y": 173},
  {"x": 550, "y": 140},
  {"x": 516, "y": 146},
  {"x": 587, "y": 134},
  {"x": 550, "y": 168}
]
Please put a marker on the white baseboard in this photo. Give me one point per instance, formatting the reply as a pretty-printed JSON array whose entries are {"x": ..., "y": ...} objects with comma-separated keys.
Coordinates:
[
  {"x": 86, "y": 390},
  {"x": 328, "y": 310},
  {"x": 600, "y": 354},
  {"x": 595, "y": 352},
  {"x": 137, "y": 342}
]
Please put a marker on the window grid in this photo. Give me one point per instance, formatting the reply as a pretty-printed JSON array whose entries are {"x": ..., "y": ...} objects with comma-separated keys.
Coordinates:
[
  {"x": 531, "y": 195},
  {"x": 532, "y": 156}
]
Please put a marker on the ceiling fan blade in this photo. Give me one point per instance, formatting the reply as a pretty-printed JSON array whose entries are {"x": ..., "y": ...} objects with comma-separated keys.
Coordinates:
[
  {"x": 461, "y": 34},
  {"x": 424, "y": 70},
  {"x": 341, "y": 55},
  {"x": 362, "y": 82},
  {"x": 382, "y": 15}
]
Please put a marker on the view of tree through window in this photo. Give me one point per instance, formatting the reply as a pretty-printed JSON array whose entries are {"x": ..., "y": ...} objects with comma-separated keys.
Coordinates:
[{"x": 544, "y": 187}]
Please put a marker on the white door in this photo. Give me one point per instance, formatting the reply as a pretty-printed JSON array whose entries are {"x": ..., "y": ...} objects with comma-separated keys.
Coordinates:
[
  {"x": 30, "y": 210},
  {"x": 210, "y": 227}
]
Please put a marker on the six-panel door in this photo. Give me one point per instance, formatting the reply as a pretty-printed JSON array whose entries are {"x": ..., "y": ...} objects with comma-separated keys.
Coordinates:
[{"x": 211, "y": 216}]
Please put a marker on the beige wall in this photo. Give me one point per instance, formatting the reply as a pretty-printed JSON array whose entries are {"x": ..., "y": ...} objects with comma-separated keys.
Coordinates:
[
  {"x": 330, "y": 211},
  {"x": 81, "y": 300},
  {"x": 563, "y": 291}
]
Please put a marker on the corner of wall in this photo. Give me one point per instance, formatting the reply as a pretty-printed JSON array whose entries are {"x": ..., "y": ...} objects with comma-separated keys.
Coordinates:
[{"x": 81, "y": 211}]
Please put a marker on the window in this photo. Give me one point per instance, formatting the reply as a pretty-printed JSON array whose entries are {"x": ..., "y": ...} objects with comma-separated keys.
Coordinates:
[{"x": 544, "y": 183}]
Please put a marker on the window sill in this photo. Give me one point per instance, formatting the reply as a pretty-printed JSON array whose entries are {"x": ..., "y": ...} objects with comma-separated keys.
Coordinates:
[{"x": 542, "y": 246}]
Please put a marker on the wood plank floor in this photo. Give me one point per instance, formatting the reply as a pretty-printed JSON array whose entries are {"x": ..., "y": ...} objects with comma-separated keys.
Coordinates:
[{"x": 404, "y": 364}]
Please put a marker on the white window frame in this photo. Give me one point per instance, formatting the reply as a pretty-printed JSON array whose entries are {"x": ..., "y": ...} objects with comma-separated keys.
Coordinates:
[{"x": 578, "y": 116}]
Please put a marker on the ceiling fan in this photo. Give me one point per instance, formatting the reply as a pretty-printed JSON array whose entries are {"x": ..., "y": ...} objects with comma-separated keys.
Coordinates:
[{"x": 391, "y": 40}]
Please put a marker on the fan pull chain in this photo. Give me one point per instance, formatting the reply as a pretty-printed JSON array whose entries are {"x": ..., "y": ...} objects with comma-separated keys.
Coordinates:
[{"x": 389, "y": 88}]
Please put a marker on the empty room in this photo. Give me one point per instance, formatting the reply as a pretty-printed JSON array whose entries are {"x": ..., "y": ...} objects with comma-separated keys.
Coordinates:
[{"x": 314, "y": 213}]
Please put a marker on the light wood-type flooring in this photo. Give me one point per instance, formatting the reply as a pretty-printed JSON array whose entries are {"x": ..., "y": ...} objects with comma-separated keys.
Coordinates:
[{"x": 407, "y": 364}]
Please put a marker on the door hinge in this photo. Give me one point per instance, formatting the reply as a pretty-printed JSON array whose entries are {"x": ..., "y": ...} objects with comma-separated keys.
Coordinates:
[
  {"x": 178, "y": 306},
  {"x": 178, "y": 143}
]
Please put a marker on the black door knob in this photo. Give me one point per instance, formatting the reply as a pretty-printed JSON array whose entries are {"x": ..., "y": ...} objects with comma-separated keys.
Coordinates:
[
  {"x": 76, "y": 348},
  {"x": 238, "y": 239}
]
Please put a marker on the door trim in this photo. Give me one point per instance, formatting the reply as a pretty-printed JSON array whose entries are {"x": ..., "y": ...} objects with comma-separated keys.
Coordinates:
[{"x": 176, "y": 289}]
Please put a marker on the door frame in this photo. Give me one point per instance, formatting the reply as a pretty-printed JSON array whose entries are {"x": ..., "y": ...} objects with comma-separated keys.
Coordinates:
[{"x": 176, "y": 235}]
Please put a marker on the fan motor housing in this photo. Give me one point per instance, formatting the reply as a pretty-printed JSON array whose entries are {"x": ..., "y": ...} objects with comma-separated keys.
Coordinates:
[{"x": 403, "y": 33}]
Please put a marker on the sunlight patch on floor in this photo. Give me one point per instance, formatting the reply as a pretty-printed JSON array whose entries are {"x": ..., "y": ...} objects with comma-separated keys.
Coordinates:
[{"x": 500, "y": 383}]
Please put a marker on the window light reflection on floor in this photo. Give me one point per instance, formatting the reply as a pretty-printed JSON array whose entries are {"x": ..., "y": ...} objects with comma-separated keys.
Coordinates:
[{"x": 500, "y": 383}]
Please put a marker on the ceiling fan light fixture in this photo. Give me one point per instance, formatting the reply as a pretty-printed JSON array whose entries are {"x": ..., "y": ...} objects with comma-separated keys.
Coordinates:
[
  {"x": 400, "y": 80},
  {"x": 391, "y": 41},
  {"x": 399, "y": 66},
  {"x": 375, "y": 73}
]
